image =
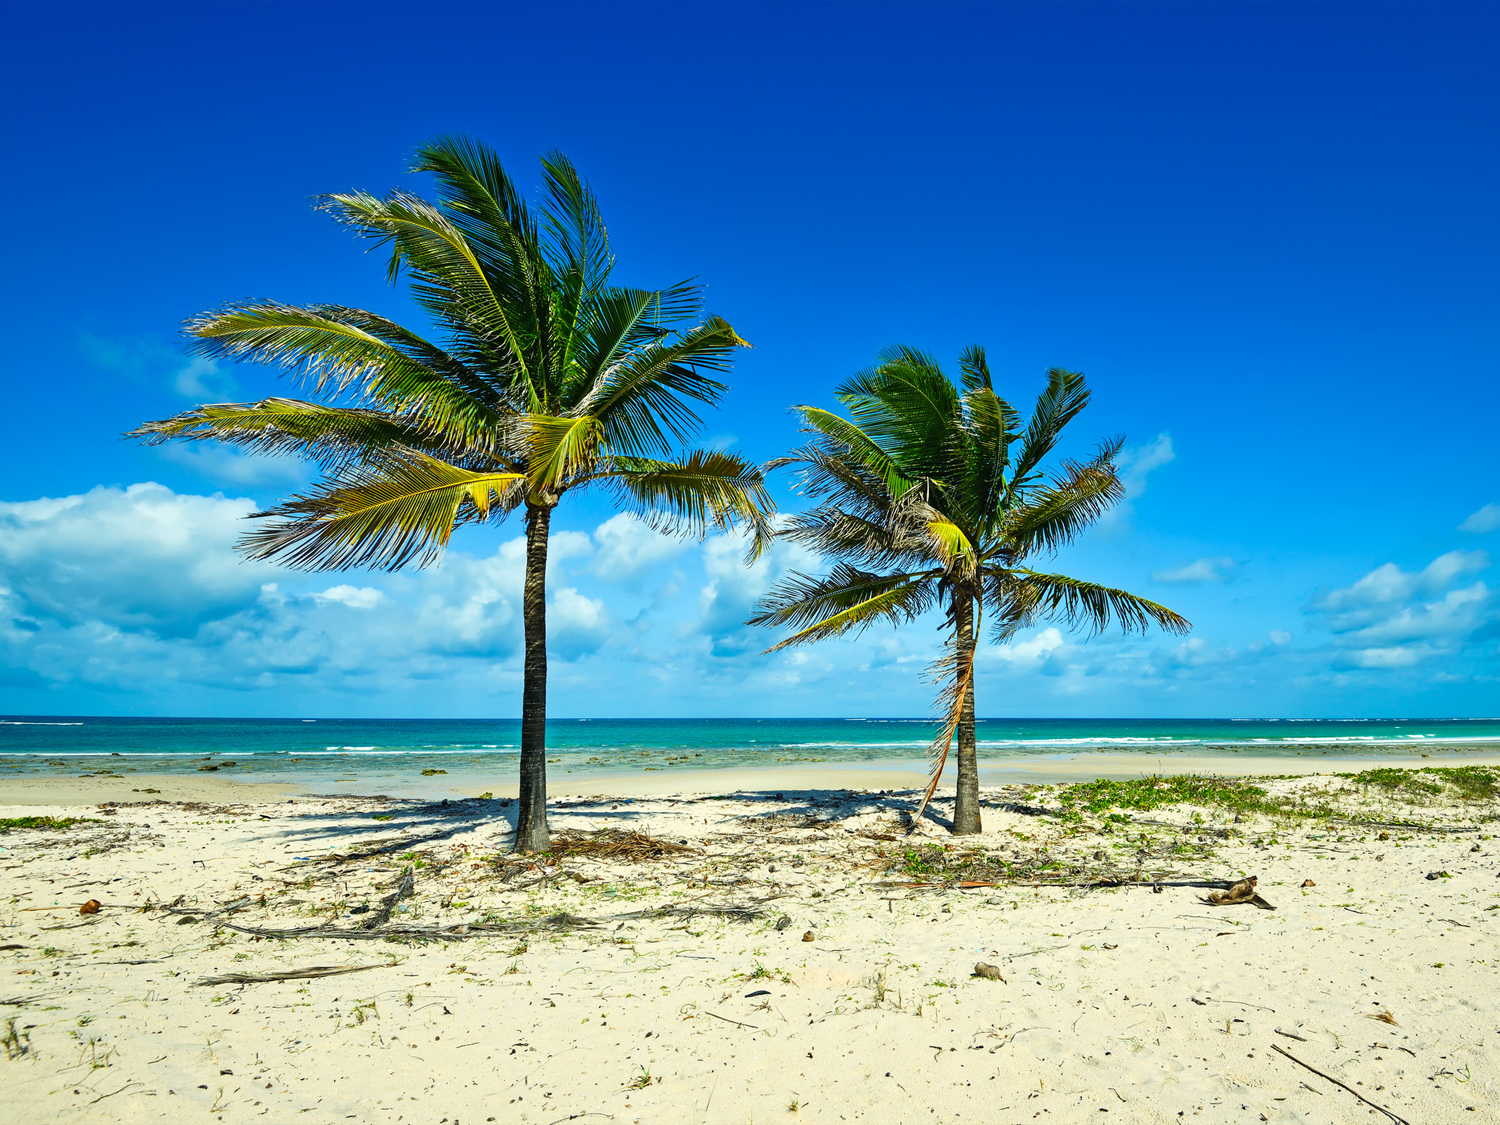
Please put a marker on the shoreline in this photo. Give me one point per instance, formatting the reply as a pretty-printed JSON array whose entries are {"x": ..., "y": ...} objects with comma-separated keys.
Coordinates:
[{"x": 1070, "y": 766}]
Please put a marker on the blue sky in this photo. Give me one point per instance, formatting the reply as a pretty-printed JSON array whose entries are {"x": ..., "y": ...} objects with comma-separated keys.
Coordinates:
[{"x": 1266, "y": 232}]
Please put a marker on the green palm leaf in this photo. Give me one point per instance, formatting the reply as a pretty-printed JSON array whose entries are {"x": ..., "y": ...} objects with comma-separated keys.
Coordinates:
[
  {"x": 329, "y": 436},
  {"x": 848, "y": 600},
  {"x": 380, "y": 514},
  {"x": 706, "y": 490}
]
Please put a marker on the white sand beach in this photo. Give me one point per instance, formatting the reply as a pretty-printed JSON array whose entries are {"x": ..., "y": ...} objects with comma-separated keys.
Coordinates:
[{"x": 795, "y": 957}]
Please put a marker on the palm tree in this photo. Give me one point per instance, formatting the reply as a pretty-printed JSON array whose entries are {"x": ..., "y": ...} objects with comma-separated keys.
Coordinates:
[
  {"x": 935, "y": 498},
  {"x": 548, "y": 380}
]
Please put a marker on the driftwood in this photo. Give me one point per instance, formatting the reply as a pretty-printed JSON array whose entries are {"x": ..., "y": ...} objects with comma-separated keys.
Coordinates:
[
  {"x": 736, "y": 913},
  {"x": 423, "y": 933},
  {"x": 1243, "y": 891},
  {"x": 290, "y": 974},
  {"x": 1280, "y": 1050},
  {"x": 562, "y": 921}
]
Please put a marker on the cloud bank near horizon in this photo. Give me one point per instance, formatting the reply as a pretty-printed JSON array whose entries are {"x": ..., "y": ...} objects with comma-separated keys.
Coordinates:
[{"x": 133, "y": 600}]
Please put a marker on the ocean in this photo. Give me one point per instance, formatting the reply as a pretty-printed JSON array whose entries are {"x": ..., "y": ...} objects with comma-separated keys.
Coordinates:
[{"x": 306, "y": 751}]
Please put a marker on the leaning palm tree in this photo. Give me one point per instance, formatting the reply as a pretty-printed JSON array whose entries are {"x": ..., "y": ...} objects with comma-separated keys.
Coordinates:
[
  {"x": 547, "y": 380},
  {"x": 932, "y": 498}
]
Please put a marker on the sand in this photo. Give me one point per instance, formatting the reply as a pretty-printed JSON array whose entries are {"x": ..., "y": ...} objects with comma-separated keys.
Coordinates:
[{"x": 1119, "y": 1003}]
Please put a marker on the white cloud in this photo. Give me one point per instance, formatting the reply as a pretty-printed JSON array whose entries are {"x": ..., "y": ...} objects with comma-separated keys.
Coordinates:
[
  {"x": 218, "y": 463},
  {"x": 1135, "y": 466},
  {"x": 1393, "y": 618},
  {"x": 1485, "y": 520},
  {"x": 1203, "y": 570},
  {"x": 149, "y": 360},
  {"x": 201, "y": 378},
  {"x": 141, "y": 557},
  {"x": 1386, "y": 657},
  {"x": 1280, "y": 637},
  {"x": 628, "y": 548},
  {"x": 140, "y": 590},
  {"x": 576, "y": 625},
  {"x": 355, "y": 597},
  {"x": 1138, "y": 463},
  {"x": 1389, "y": 585},
  {"x": 1021, "y": 652}
]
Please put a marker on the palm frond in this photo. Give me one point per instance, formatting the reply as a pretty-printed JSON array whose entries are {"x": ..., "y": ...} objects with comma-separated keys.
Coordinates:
[
  {"x": 1023, "y": 596},
  {"x": 381, "y": 514},
  {"x": 706, "y": 489},
  {"x": 1056, "y": 513},
  {"x": 451, "y": 277},
  {"x": 848, "y": 600},
  {"x": 646, "y": 398},
  {"x": 1059, "y": 404},
  {"x": 573, "y": 220},
  {"x": 954, "y": 670},
  {"x": 326, "y": 435},
  {"x": 561, "y": 450},
  {"x": 910, "y": 409},
  {"x": 954, "y": 548},
  {"x": 331, "y": 348},
  {"x": 846, "y": 440}
]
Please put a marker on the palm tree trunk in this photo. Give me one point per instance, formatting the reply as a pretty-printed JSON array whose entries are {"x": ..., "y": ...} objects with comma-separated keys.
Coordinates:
[
  {"x": 966, "y": 807},
  {"x": 531, "y": 823}
]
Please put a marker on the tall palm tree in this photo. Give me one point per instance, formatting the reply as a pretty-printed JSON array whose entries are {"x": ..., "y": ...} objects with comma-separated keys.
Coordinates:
[
  {"x": 548, "y": 380},
  {"x": 936, "y": 498}
]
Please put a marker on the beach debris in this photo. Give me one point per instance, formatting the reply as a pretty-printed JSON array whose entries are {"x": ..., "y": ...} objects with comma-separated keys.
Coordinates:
[
  {"x": 1438, "y": 875},
  {"x": 988, "y": 972},
  {"x": 757, "y": 992},
  {"x": 807, "y": 936},
  {"x": 1476, "y": 848},
  {"x": 1308, "y": 883},
  {"x": 90, "y": 907},
  {"x": 616, "y": 844},
  {"x": 290, "y": 974},
  {"x": 1110, "y": 945},
  {"x": 1383, "y": 836},
  {"x": 1243, "y": 891},
  {"x": 783, "y": 922},
  {"x": 1290, "y": 1035},
  {"x": 1280, "y": 1050},
  {"x": 1384, "y": 1016}
]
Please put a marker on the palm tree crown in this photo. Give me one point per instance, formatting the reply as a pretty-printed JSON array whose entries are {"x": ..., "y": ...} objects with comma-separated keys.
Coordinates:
[
  {"x": 935, "y": 496},
  {"x": 548, "y": 379}
]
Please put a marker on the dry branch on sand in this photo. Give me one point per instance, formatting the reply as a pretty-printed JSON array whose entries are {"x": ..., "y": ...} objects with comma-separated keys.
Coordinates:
[{"x": 290, "y": 974}]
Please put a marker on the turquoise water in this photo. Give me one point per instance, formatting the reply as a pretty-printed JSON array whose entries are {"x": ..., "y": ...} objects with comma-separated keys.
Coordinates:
[{"x": 303, "y": 750}]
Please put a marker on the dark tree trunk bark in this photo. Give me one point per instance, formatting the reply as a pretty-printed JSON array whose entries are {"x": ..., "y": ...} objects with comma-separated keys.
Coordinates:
[
  {"x": 531, "y": 823},
  {"x": 966, "y": 807}
]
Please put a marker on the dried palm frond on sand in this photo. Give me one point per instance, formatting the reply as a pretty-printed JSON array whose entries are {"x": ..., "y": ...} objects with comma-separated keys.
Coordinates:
[{"x": 615, "y": 844}]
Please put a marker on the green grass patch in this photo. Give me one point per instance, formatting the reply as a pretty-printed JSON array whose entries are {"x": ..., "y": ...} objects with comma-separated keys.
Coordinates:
[
  {"x": 1147, "y": 793},
  {"x": 1468, "y": 783},
  {"x": 1395, "y": 781}
]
